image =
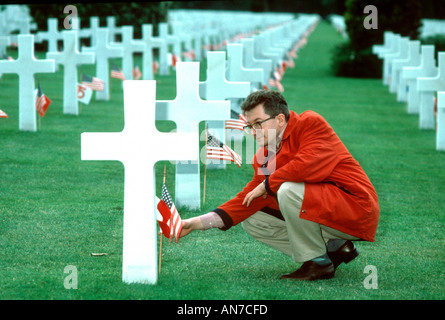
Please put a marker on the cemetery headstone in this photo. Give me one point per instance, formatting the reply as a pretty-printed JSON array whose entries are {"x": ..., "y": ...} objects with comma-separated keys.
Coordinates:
[
  {"x": 187, "y": 110},
  {"x": 427, "y": 68},
  {"x": 427, "y": 88},
  {"x": 139, "y": 146},
  {"x": 103, "y": 52},
  {"x": 70, "y": 58},
  {"x": 26, "y": 66}
]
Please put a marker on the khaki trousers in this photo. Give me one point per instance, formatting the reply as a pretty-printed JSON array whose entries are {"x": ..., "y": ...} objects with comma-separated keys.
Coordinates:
[{"x": 300, "y": 239}]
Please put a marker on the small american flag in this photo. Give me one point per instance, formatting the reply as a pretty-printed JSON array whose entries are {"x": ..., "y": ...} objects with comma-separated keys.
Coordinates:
[
  {"x": 117, "y": 73},
  {"x": 3, "y": 114},
  {"x": 171, "y": 224},
  {"x": 237, "y": 124},
  {"x": 219, "y": 151},
  {"x": 42, "y": 102},
  {"x": 274, "y": 82},
  {"x": 137, "y": 73},
  {"x": 92, "y": 82}
]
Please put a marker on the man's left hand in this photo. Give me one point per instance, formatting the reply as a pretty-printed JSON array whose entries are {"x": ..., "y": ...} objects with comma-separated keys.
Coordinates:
[{"x": 260, "y": 190}]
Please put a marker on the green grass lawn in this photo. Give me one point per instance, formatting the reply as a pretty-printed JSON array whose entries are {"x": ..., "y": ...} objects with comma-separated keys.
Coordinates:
[{"x": 55, "y": 210}]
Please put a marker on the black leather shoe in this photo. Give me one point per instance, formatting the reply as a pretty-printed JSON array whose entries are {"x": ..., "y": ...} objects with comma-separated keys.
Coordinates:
[
  {"x": 311, "y": 271},
  {"x": 346, "y": 253}
]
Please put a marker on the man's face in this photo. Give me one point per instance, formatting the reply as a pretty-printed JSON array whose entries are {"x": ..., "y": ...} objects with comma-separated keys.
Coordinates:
[{"x": 270, "y": 129}]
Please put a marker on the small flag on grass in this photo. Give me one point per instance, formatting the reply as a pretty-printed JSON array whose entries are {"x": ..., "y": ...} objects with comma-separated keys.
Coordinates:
[
  {"x": 171, "y": 223},
  {"x": 3, "y": 114},
  {"x": 92, "y": 82},
  {"x": 117, "y": 73},
  {"x": 42, "y": 101},
  {"x": 137, "y": 73}
]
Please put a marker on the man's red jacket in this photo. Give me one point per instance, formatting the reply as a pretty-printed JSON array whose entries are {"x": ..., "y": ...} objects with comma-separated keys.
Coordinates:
[{"x": 338, "y": 193}]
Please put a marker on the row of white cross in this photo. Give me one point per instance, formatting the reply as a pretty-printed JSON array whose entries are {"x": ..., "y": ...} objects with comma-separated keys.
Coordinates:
[
  {"x": 410, "y": 70},
  {"x": 139, "y": 146},
  {"x": 141, "y": 111}
]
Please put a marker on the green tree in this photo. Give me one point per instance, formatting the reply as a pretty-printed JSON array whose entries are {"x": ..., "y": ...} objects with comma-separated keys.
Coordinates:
[{"x": 354, "y": 58}]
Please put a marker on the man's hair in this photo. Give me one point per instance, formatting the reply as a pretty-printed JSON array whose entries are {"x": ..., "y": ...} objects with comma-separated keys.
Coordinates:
[{"x": 273, "y": 103}]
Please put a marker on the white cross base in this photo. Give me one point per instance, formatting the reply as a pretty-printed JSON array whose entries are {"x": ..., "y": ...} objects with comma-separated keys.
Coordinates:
[{"x": 139, "y": 146}]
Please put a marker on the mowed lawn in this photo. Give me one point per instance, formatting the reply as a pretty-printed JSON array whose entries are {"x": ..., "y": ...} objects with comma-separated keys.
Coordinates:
[{"x": 56, "y": 210}]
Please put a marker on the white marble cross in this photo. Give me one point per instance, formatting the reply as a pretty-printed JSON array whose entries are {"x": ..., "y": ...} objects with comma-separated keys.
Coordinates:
[
  {"x": 113, "y": 30},
  {"x": 70, "y": 58},
  {"x": 427, "y": 88},
  {"x": 412, "y": 59},
  {"x": 103, "y": 52},
  {"x": 26, "y": 66},
  {"x": 129, "y": 46},
  {"x": 395, "y": 64},
  {"x": 139, "y": 146},
  {"x": 52, "y": 36},
  {"x": 169, "y": 40},
  {"x": 237, "y": 71},
  {"x": 147, "y": 58},
  {"x": 389, "y": 57},
  {"x": 250, "y": 61},
  {"x": 440, "y": 135},
  {"x": 187, "y": 110},
  {"x": 426, "y": 68},
  {"x": 217, "y": 87}
]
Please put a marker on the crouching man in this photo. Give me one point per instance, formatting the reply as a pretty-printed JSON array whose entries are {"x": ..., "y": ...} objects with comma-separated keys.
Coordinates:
[{"x": 309, "y": 198}]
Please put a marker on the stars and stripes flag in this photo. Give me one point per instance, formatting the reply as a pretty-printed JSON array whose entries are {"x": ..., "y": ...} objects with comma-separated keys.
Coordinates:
[
  {"x": 155, "y": 67},
  {"x": 92, "y": 82},
  {"x": 42, "y": 101},
  {"x": 219, "y": 151},
  {"x": 237, "y": 124},
  {"x": 171, "y": 223},
  {"x": 274, "y": 82},
  {"x": 137, "y": 73},
  {"x": 3, "y": 114},
  {"x": 117, "y": 73}
]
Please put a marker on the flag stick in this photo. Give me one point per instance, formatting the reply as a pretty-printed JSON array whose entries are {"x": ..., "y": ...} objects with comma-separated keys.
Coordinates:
[
  {"x": 160, "y": 245},
  {"x": 205, "y": 167}
]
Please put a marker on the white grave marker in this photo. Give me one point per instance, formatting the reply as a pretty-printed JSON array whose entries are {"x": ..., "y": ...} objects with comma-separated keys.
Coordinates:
[
  {"x": 395, "y": 64},
  {"x": 70, "y": 58},
  {"x": 216, "y": 87},
  {"x": 129, "y": 46},
  {"x": 237, "y": 71},
  {"x": 187, "y": 110},
  {"x": 139, "y": 146},
  {"x": 52, "y": 36},
  {"x": 147, "y": 58},
  {"x": 413, "y": 59},
  {"x": 26, "y": 66},
  {"x": 427, "y": 68},
  {"x": 103, "y": 52},
  {"x": 388, "y": 56},
  {"x": 250, "y": 61},
  {"x": 427, "y": 88}
]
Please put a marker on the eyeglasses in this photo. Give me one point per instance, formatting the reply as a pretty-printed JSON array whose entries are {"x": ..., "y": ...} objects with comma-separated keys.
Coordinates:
[{"x": 256, "y": 125}]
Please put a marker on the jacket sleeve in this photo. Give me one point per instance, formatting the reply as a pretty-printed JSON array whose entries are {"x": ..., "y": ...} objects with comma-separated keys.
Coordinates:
[
  {"x": 315, "y": 158},
  {"x": 233, "y": 211}
]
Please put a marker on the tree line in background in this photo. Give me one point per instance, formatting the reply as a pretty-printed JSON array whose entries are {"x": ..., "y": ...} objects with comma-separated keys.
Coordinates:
[{"x": 352, "y": 58}]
